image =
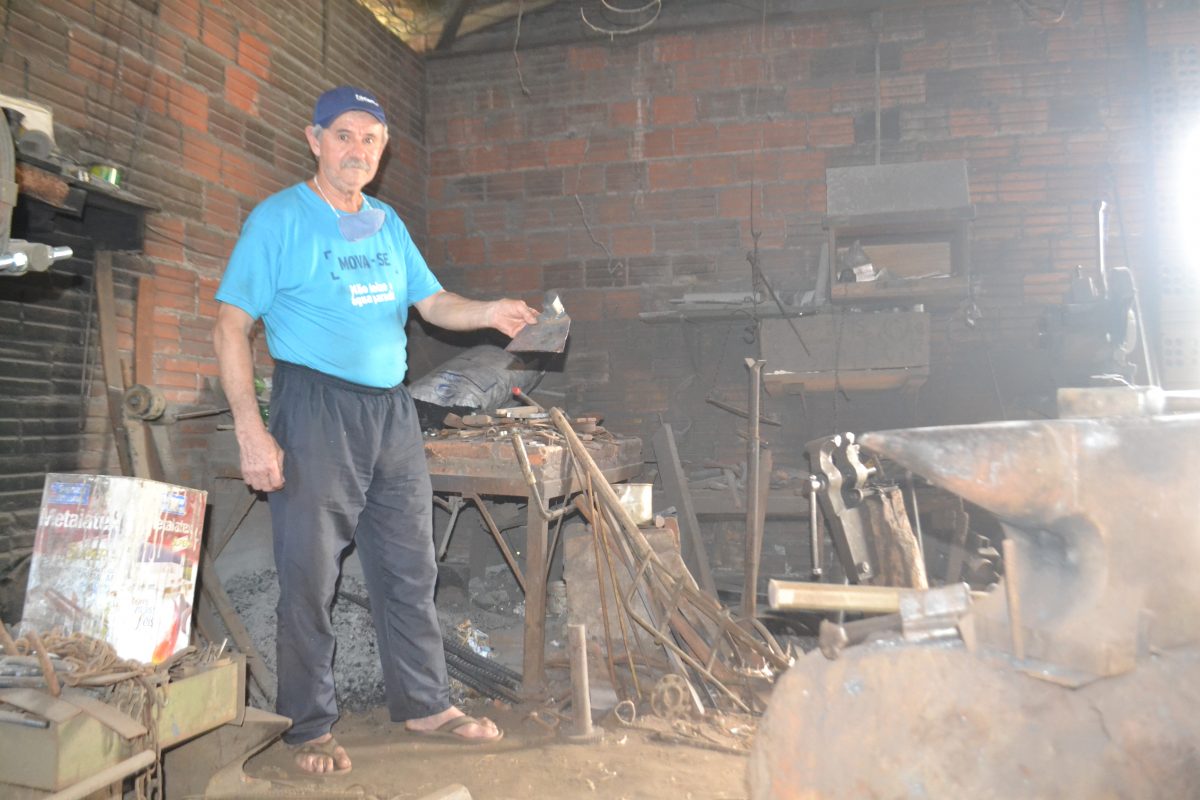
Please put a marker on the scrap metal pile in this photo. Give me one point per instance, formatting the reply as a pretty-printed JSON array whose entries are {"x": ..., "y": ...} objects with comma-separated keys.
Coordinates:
[
  {"x": 713, "y": 655},
  {"x": 46, "y": 679},
  {"x": 656, "y": 621}
]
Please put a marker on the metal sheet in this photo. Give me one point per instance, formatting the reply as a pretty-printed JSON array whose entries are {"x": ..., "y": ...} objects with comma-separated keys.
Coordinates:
[{"x": 891, "y": 188}]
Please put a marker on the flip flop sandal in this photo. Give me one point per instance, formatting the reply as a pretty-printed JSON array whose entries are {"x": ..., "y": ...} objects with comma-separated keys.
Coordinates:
[
  {"x": 446, "y": 731},
  {"x": 328, "y": 748}
]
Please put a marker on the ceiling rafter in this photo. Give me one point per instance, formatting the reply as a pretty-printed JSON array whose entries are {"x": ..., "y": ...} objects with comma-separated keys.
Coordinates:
[{"x": 426, "y": 26}]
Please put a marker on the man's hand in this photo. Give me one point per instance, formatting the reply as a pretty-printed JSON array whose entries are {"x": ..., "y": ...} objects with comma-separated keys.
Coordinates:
[
  {"x": 509, "y": 316},
  {"x": 262, "y": 459}
]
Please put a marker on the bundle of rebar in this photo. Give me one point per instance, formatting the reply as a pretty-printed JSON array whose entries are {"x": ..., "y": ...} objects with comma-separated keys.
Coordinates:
[{"x": 701, "y": 639}]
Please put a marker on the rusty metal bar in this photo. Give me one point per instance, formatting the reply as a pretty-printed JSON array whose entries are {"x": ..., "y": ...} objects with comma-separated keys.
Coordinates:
[
  {"x": 1012, "y": 594},
  {"x": 454, "y": 505},
  {"x": 755, "y": 516},
  {"x": 499, "y": 537},
  {"x": 581, "y": 702},
  {"x": 535, "y": 494}
]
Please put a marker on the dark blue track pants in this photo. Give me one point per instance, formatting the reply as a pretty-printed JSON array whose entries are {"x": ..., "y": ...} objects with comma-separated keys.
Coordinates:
[{"x": 354, "y": 471}]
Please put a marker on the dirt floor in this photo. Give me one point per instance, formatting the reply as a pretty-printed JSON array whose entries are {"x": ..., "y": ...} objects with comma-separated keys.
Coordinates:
[
  {"x": 531, "y": 762},
  {"x": 653, "y": 758}
]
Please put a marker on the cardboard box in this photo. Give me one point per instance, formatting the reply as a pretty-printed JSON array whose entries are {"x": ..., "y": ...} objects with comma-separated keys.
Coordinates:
[{"x": 116, "y": 558}]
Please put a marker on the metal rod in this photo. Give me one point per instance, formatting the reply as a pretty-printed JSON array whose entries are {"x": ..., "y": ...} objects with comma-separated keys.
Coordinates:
[
  {"x": 503, "y": 545},
  {"x": 753, "y": 498},
  {"x": 816, "y": 527},
  {"x": 916, "y": 518},
  {"x": 455, "y": 505},
  {"x": 581, "y": 702},
  {"x": 859, "y": 598},
  {"x": 1012, "y": 592},
  {"x": 43, "y": 657},
  {"x": 535, "y": 494},
  {"x": 1101, "y": 266}
]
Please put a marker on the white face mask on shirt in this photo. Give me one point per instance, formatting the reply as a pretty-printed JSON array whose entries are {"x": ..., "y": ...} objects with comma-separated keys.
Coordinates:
[{"x": 364, "y": 224}]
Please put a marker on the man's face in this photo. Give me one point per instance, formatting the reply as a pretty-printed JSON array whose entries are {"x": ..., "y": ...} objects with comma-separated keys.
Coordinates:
[{"x": 348, "y": 150}]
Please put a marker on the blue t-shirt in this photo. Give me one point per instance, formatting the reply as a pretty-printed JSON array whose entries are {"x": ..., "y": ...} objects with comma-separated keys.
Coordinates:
[{"x": 335, "y": 306}]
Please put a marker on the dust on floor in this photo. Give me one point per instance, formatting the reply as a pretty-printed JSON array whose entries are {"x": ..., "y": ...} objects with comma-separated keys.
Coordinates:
[{"x": 530, "y": 763}]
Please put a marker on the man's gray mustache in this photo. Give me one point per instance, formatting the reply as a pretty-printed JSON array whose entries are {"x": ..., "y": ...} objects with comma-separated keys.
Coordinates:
[{"x": 355, "y": 163}]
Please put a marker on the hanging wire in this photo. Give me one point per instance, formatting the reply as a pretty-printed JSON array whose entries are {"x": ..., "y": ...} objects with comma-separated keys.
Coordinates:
[{"x": 612, "y": 33}]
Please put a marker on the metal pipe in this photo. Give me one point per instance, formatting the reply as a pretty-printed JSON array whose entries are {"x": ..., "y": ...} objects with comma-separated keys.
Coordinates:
[
  {"x": 535, "y": 494},
  {"x": 816, "y": 527},
  {"x": 798, "y": 595},
  {"x": 581, "y": 702},
  {"x": 1100, "y": 264},
  {"x": 753, "y": 479}
]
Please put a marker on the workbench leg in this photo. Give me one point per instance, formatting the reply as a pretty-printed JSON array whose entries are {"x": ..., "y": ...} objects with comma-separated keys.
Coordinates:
[{"x": 534, "y": 653}]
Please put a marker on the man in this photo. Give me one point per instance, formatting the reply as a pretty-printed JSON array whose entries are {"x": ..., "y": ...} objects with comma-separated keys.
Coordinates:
[{"x": 332, "y": 272}]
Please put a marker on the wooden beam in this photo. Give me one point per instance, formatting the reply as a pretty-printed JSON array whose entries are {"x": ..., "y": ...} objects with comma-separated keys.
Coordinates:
[
  {"x": 110, "y": 359},
  {"x": 450, "y": 29}
]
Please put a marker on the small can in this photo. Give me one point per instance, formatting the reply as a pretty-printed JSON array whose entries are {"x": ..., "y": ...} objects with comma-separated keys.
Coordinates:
[{"x": 106, "y": 172}]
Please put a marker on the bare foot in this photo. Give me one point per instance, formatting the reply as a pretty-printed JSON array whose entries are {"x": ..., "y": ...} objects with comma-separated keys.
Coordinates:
[
  {"x": 481, "y": 729},
  {"x": 321, "y": 756}
]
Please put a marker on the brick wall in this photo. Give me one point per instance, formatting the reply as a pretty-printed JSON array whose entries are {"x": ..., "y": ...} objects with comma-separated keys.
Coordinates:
[
  {"x": 628, "y": 171},
  {"x": 203, "y": 104}
]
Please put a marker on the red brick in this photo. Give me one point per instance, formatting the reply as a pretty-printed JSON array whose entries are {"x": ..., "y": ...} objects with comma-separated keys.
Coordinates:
[
  {"x": 587, "y": 59},
  {"x": 201, "y": 156},
  {"x": 699, "y": 140},
  {"x": 547, "y": 247},
  {"x": 673, "y": 110},
  {"x": 507, "y": 250},
  {"x": 606, "y": 148},
  {"x": 525, "y": 155},
  {"x": 802, "y": 165},
  {"x": 466, "y": 251},
  {"x": 622, "y": 303},
  {"x": 218, "y": 34},
  {"x": 565, "y": 152},
  {"x": 715, "y": 171},
  {"x": 488, "y": 159},
  {"x": 241, "y": 90},
  {"x": 735, "y": 203},
  {"x": 737, "y": 137},
  {"x": 658, "y": 143},
  {"x": 966, "y": 122},
  {"x": 623, "y": 115},
  {"x": 254, "y": 56},
  {"x": 666, "y": 175},
  {"x": 636, "y": 241},
  {"x": 189, "y": 106},
  {"x": 222, "y": 209},
  {"x": 238, "y": 174},
  {"x": 809, "y": 100},
  {"x": 674, "y": 48},
  {"x": 503, "y": 281},
  {"x": 785, "y": 133},
  {"x": 182, "y": 15},
  {"x": 447, "y": 222},
  {"x": 831, "y": 132}
]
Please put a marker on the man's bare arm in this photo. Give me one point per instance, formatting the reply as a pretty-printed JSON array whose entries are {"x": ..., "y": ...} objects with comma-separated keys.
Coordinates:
[
  {"x": 261, "y": 456},
  {"x": 457, "y": 313}
]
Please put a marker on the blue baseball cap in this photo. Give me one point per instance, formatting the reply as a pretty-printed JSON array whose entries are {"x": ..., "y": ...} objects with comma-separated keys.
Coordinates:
[{"x": 336, "y": 102}]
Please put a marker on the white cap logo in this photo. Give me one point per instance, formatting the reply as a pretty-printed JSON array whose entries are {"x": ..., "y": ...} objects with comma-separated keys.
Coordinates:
[{"x": 363, "y": 99}]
